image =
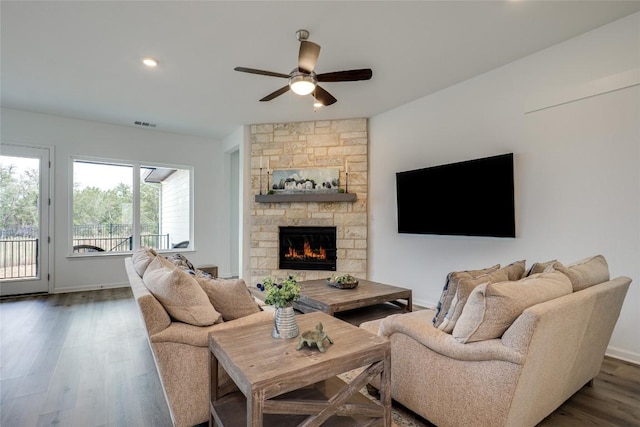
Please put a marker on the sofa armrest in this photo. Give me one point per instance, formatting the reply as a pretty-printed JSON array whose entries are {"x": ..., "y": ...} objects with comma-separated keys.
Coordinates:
[
  {"x": 418, "y": 326},
  {"x": 198, "y": 336},
  {"x": 153, "y": 314}
]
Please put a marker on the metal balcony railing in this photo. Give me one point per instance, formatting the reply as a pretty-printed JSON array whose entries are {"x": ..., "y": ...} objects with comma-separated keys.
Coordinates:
[
  {"x": 18, "y": 258},
  {"x": 19, "y": 248}
]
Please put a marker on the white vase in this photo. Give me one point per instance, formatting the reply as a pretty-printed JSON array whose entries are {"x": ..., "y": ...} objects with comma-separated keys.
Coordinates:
[{"x": 285, "y": 324}]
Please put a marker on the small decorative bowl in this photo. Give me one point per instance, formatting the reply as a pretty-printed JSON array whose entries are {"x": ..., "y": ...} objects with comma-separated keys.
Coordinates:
[{"x": 342, "y": 285}]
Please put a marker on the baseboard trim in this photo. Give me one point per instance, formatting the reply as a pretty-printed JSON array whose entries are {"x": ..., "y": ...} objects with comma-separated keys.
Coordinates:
[
  {"x": 91, "y": 288},
  {"x": 627, "y": 356}
]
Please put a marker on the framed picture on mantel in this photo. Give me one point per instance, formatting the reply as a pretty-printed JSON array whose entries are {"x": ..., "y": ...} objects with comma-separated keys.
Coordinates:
[{"x": 305, "y": 181}]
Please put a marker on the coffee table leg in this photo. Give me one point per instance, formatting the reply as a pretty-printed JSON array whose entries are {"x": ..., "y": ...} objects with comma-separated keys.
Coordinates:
[
  {"x": 213, "y": 385},
  {"x": 255, "y": 406}
]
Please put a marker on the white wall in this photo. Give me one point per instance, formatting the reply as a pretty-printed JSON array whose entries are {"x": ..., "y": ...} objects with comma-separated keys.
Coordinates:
[
  {"x": 576, "y": 165},
  {"x": 235, "y": 146},
  {"x": 174, "y": 207},
  {"x": 71, "y": 137}
]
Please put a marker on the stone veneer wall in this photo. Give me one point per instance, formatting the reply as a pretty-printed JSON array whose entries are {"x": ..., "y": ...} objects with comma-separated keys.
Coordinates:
[{"x": 312, "y": 145}]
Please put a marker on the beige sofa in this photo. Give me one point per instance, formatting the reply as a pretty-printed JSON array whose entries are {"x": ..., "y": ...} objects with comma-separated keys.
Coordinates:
[
  {"x": 180, "y": 349},
  {"x": 543, "y": 351}
]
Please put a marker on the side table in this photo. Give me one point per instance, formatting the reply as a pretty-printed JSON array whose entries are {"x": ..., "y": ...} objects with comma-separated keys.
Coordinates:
[{"x": 211, "y": 269}]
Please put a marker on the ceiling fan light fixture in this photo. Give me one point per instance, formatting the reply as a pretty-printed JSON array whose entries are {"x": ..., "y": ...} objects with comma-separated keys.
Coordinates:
[
  {"x": 150, "y": 62},
  {"x": 317, "y": 104},
  {"x": 302, "y": 84}
]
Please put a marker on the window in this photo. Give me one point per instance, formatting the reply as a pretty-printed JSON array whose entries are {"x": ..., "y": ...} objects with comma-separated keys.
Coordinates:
[{"x": 118, "y": 207}]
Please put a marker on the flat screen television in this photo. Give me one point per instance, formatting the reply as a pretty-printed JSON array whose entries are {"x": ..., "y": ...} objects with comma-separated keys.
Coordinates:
[{"x": 469, "y": 198}]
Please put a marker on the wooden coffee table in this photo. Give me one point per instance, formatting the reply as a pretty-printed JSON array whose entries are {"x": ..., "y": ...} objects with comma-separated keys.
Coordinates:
[
  {"x": 316, "y": 295},
  {"x": 280, "y": 386}
]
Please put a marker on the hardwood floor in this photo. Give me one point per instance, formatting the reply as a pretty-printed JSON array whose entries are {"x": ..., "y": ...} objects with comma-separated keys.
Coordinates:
[
  {"x": 82, "y": 359},
  {"x": 77, "y": 359}
]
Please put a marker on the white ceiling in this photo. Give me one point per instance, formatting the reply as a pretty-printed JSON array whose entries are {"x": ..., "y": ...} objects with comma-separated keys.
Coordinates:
[{"x": 83, "y": 58}]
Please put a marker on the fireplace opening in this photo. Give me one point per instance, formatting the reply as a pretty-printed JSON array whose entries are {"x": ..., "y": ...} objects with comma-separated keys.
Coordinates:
[{"x": 307, "y": 248}]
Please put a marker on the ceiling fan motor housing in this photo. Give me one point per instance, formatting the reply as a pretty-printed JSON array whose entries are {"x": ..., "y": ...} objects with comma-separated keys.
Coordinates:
[{"x": 306, "y": 81}]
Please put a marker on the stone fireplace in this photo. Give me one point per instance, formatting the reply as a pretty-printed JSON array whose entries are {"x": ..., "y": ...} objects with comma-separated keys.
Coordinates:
[
  {"x": 341, "y": 144},
  {"x": 307, "y": 248}
]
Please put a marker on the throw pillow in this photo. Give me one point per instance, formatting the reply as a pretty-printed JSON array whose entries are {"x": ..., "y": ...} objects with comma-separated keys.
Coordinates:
[
  {"x": 586, "y": 272},
  {"x": 493, "y": 307},
  {"x": 231, "y": 297},
  {"x": 449, "y": 290},
  {"x": 179, "y": 293},
  {"x": 539, "y": 267},
  {"x": 141, "y": 259},
  {"x": 180, "y": 260},
  {"x": 511, "y": 272}
]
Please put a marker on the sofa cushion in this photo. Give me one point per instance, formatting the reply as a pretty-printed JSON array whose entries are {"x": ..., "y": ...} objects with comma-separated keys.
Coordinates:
[
  {"x": 179, "y": 293},
  {"x": 493, "y": 307},
  {"x": 584, "y": 273},
  {"x": 141, "y": 258},
  {"x": 511, "y": 272},
  {"x": 540, "y": 267},
  {"x": 231, "y": 297},
  {"x": 449, "y": 290}
]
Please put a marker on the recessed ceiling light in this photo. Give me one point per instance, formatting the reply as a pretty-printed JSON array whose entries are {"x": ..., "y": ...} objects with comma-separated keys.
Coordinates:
[{"x": 149, "y": 62}]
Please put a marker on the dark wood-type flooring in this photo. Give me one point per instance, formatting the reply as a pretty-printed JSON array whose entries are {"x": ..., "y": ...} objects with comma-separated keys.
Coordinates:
[{"x": 82, "y": 359}]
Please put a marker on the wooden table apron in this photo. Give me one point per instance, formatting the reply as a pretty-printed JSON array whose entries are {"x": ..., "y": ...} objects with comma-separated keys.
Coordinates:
[{"x": 263, "y": 367}]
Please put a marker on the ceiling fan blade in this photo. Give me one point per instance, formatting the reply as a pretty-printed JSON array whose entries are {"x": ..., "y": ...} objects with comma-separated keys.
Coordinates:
[
  {"x": 261, "y": 72},
  {"x": 324, "y": 97},
  {"x": 346, "y": 76},
  {"x": 275, "y": 94},
  {"x": 308, "y": 56}
]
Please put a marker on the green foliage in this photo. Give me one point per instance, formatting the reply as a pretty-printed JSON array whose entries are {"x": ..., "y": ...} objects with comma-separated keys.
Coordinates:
[
  {"x": 280, "y": 294},
  {"x": 18, "y": 197},
  {"x": 19, "y": 194},
  {"x": 150, "y": 203},
  {"x": 92, "y": 205}
]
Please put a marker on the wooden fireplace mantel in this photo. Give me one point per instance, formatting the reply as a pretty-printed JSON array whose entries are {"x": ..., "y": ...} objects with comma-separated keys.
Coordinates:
[{"x": 306, "y": 197}]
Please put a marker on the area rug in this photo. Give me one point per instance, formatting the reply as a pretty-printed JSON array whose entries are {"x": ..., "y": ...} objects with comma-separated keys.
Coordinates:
[{"x": 400, "y": 416}]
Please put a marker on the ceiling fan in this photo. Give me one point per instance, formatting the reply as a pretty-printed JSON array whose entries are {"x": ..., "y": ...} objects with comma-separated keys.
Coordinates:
[{"x": 303, "y": 80}]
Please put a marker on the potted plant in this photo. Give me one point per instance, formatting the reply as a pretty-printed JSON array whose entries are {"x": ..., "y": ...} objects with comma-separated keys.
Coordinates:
[{"x": 281, "y": 295}]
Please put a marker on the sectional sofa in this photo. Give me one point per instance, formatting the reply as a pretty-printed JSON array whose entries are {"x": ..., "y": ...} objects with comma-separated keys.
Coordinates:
[
  {"x": 179, "y": 305},
  {"x": 504, "y": 348}
]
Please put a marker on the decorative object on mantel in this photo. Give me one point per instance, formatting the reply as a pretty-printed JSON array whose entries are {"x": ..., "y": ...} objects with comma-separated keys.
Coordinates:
[
  {"x": 344, "y": 281},
  {"x": 291, "y": 181},
  {"x": 346, "y": 175},
  {"x": 260, "y": 184},
  {"x": 305, "y": 197},
  {"x": 281, "y": 296},
  {"x": 316, "y": 338}
]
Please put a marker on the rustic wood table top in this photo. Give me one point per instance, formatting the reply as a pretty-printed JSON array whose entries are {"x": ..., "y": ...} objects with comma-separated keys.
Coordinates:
[
  {"x": 264, "y": 369},
  {"x": 316, "y": 295}
]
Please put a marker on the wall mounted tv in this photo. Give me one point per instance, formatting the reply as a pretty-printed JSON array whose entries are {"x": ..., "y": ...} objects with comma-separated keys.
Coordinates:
[{"x": 469, "y": 198}]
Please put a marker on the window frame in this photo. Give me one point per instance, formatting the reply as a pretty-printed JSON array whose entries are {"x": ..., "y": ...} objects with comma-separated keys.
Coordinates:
[{"x": 136, "y": 166}]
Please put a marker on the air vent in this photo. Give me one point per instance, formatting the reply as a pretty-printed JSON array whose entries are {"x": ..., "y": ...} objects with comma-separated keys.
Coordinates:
[{"x": 145, "y": 124}]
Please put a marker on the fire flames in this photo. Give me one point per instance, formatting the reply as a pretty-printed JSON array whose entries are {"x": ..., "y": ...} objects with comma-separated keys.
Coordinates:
[{"x": 307, "y": 253}]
